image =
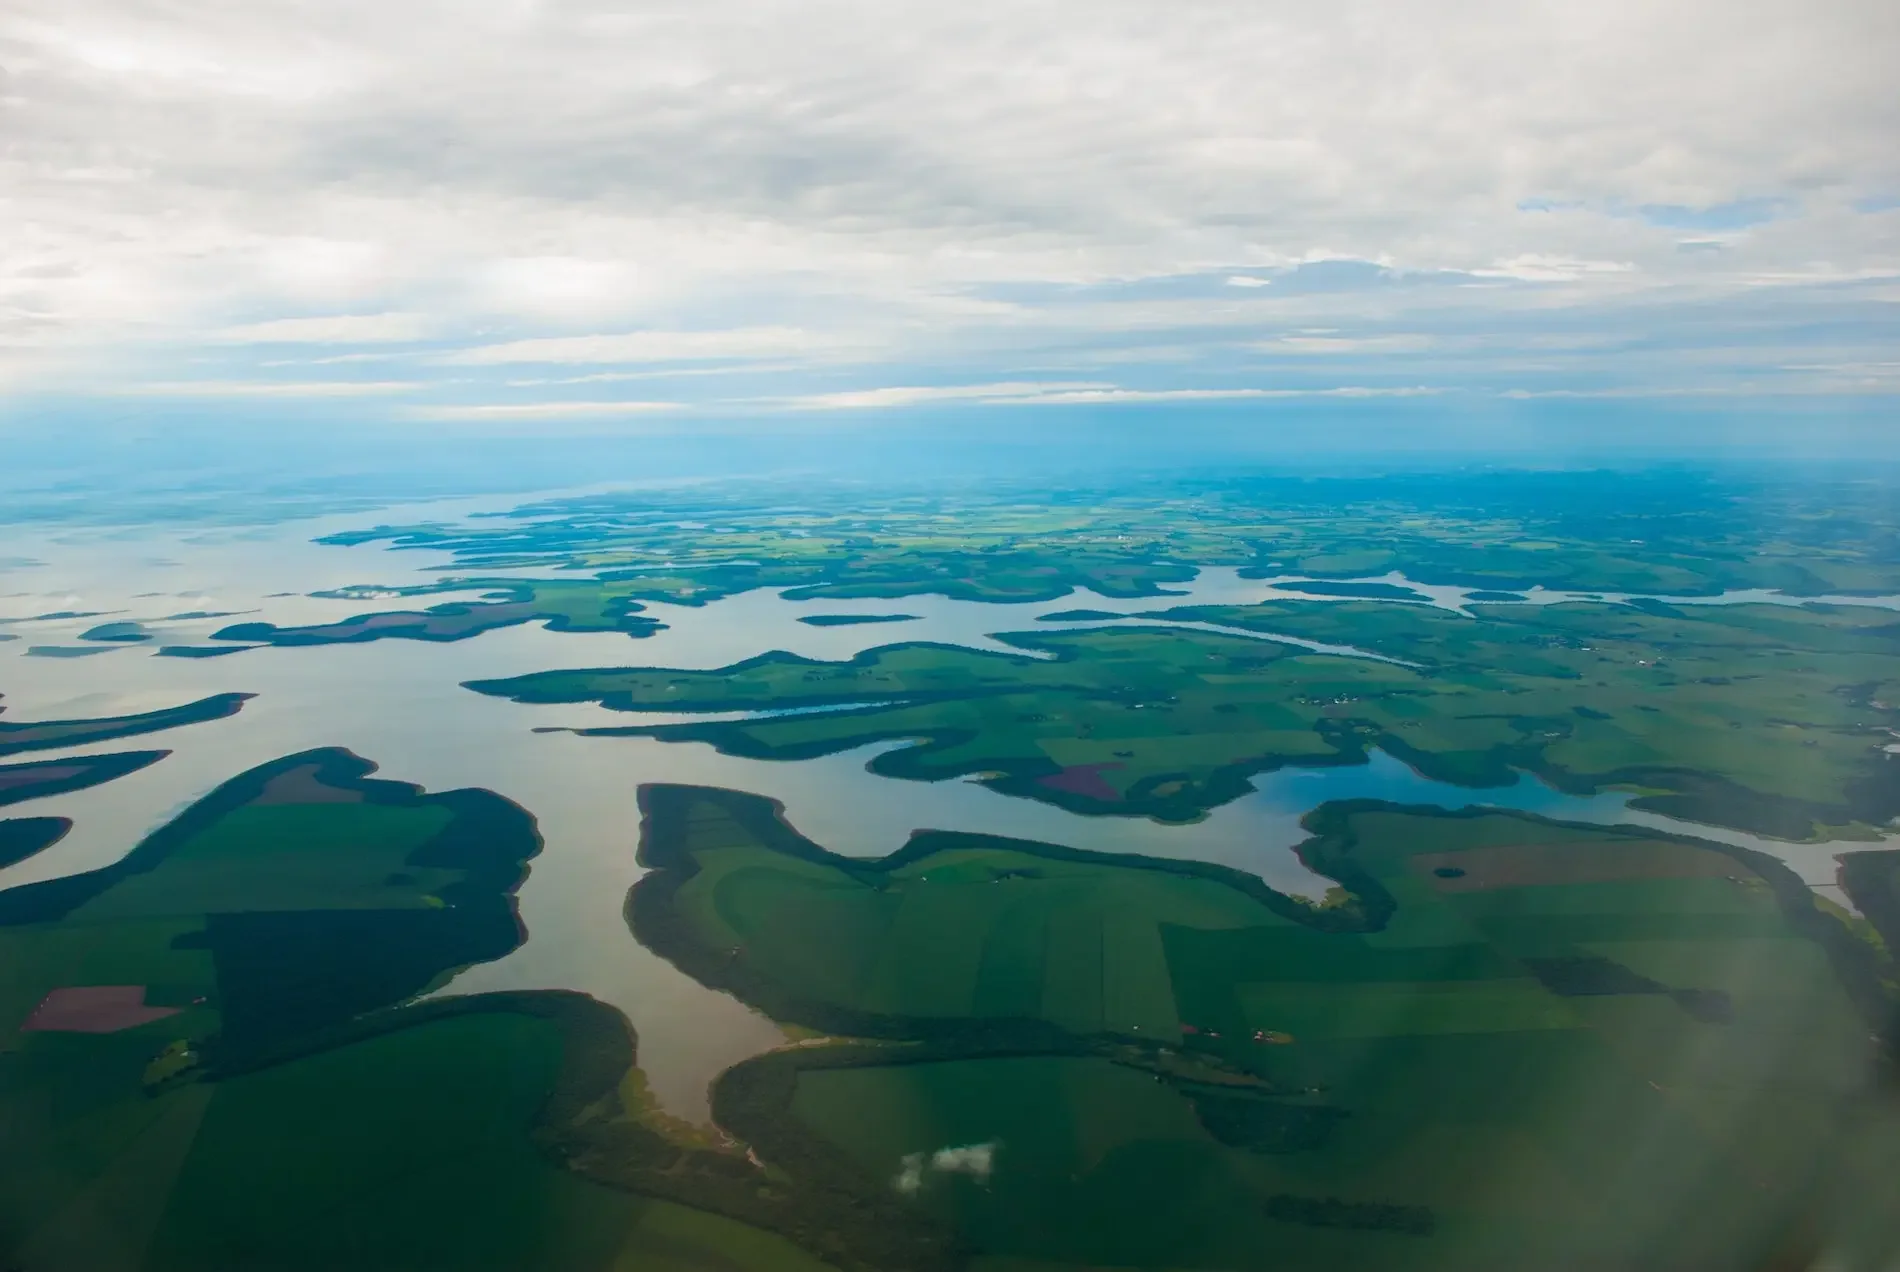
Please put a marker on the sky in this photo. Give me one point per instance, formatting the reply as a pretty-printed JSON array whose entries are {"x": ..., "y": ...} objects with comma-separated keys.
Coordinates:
[{"x": 514, "y": 216}]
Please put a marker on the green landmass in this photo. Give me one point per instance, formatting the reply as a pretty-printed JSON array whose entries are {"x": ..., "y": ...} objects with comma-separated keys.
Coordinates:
[
  {"x": 119, "y": 633},
  {"x": 67, "y": 651},
  {"x": 41, "y": 734},
  {"x": 1079, "y": 616},
  {"x": 1663, "y": 533},
  {"x": 1872, "y": 881},
  {"x": 1363, "y": 591},
  {"x": 853, "y": 620},
  {"x": 1768, "y": 718},
  {"x": 1674, "y": 534},
  {"x": 576, "y": 605},
  {"x": 22, "y": 837},
  {"x": 39, "y": 778},
  {"x": 280, "y": 1100},
  {"x": 1070, "y": 1058}
]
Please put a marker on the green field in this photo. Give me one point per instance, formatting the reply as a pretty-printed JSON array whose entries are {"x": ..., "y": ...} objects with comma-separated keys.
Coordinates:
[
  {"x": 215, "y": 1059},
  {"x": 564, "y": 605},
  {"x": 228, "y": 1133},
  {"x": 16, "y": 737},
  {"x": 1510, "y": 1029},
  {"x": 1674, "y": 533},
  {"x": 1769, "y": 718},
  {"x": 22, "y": 837},
  {"x": 37, "y": 779},
  {"x": 1667, "y": 534}
]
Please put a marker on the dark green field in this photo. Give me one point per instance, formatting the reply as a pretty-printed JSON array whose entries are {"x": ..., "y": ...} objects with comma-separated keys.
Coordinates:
[
  {"x": 214, "y": 1059},
  {"x": 1508, "y": 1030},
  {"x": 578, "y": 605},
  {"x": 853, "y": 620},
  {"x": 22, "y": 837},
  {"x": 37, "y": 779},
  {"x": 16, "y": 737}
]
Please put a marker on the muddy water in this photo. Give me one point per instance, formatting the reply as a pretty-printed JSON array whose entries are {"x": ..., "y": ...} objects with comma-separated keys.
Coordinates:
[{"x": 400, "y": 704}]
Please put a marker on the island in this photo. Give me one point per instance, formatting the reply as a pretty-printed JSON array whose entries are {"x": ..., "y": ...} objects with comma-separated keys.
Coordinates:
[
  {"x": 16, "y": 737},
  {"x": 23, "y": 837},
  {"x": 853, "y": 620},
  {"x": 40, "y": 778}
]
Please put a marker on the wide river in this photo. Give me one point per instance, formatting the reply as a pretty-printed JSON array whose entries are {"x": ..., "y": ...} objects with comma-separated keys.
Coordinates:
[{"x": 400, "y": 704}]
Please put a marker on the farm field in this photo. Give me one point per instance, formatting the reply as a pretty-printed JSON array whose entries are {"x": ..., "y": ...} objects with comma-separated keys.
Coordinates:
[
  {"x": 237, "y": 984},
  {"x": 1454, "y": 1062},
  {"x": 1667, "y": 533},
  {"x": 814, "y": 957},
  {"x": 1664, "y": 535},
  {"x": 17, "y": 736},
  {"x": 1771, "y": 719}
]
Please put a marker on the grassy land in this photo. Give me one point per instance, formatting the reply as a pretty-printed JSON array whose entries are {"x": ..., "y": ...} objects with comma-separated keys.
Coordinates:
[
  {"x": 1521, "y": 1028},
  {"x": 1674, "y": 534},
  {"x": 577, "y": 605},
  {"x": 37, "y": 779},
  {"x": 1769, "y": 718},
  {"x": 15, "y": 737},
  {"x": 22, "y": 837},
  {"x": 289, "y": 1105}
]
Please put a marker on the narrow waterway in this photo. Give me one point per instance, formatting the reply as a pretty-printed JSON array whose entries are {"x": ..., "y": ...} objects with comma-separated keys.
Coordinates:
[{"x": 400, "y": 703}]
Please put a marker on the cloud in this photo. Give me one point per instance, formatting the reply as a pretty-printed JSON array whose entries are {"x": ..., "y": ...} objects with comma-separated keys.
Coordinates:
[
  {"x": 975, "y": 1161},
  {"x": 1542, "y": 267},
  {"x": 1206, "y": 395},
  {"x": 985, "y": 193},
  {"x": 539, "y": 410},
  {"x": 1334, "y": 344},
  {"x": 270, "y": 388},
  {"x": 1059, "y": 393},
  {"x": 335, "y": 329},
  {"x": 648, "y": 346},
  {"x": 916, "y": 395}
]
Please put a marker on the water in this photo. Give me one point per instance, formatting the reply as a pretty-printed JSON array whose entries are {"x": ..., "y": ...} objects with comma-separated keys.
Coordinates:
[{"x": 400, "y": 703}]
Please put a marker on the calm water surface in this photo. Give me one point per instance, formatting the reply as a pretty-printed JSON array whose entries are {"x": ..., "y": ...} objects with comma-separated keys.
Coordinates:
[{"x": 400, "y": 704}]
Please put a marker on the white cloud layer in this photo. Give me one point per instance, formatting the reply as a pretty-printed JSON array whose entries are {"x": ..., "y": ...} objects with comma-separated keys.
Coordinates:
[
  {"x": 269, "y": 388},
  {"x": 650, "y": 346},
  {"x": 335, "y": 329},
  {"x": 538, "y": 410},
  {"x": 1501, "y": 196}
]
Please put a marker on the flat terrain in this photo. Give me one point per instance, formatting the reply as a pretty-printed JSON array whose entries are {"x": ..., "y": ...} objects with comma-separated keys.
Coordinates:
[
  {"x": 17, "y": 736},
  {"x": 1662, "y": 534},
  {"x": 1503, "y": 1029},
  {"x": 1770, "y": 718},
  {"x": 213, "y": 1058},
  {"x": 37, "y": 779}
]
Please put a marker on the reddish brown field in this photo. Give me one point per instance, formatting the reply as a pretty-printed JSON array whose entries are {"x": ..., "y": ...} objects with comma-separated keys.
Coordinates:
[
  {"x": 33, "y": 775},
  {"x": 95, "y": 1009},
  {"x": 301, "y": 786}
]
